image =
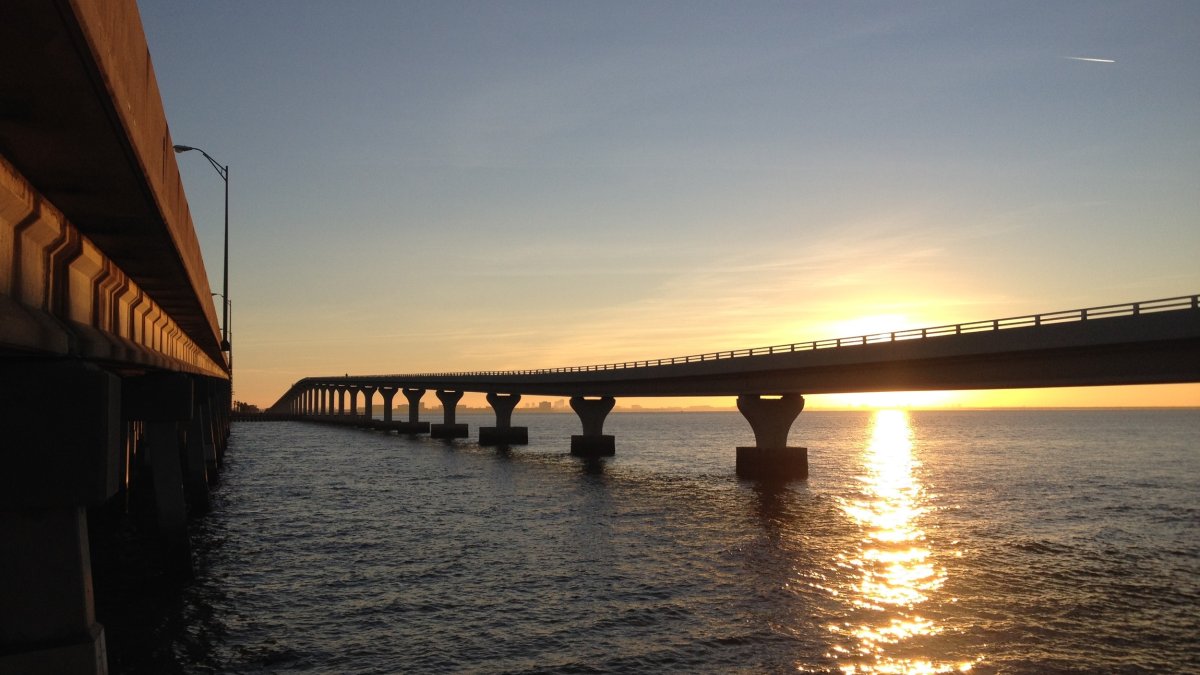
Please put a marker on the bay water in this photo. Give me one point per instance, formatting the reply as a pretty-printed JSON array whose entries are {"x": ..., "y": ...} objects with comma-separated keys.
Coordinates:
[{"x": 950, "y": 541}]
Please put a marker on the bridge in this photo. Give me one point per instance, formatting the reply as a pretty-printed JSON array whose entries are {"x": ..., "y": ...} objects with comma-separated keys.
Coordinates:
[
  {"x": 1151, "y": 342},
  {"x": 113, "y": 378}
]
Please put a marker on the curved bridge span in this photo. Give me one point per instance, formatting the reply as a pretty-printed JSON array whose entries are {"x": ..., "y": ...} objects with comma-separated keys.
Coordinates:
[{"x": 1151, "y": 342}]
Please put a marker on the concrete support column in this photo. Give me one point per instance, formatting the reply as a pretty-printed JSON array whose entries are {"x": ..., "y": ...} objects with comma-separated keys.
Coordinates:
[
  {"x": 593, "y": 442},
  {"x": 195, "y": 470},
  {"x": 771, "y": 458},
  {"x": 165, "y": 402},
  {"x": 414, "y": 425},
  {"x": 388, "y": 394},
  {"x": 414, "y": 403},
  {"x": 448, "y": 428},
  {"x": 47, "y": 617},
  {"x": 369, "y": 403},
  {"x": 504, "y": 433},
  {"x": 354, "y": 401},
  {"x": 54, "y": 468},
  {"x": 341, "y": 400},
  {"x": 210, "y": 435}
]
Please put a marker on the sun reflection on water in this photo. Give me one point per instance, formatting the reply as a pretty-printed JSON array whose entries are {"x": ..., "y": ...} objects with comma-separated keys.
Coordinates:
[{"x": 893, "y": 565}]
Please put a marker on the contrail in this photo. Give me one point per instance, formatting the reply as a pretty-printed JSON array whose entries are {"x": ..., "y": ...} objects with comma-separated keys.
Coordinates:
[{"x": 1085, "y": 58}]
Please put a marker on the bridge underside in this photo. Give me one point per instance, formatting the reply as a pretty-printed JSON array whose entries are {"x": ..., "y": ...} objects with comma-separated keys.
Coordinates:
[{"x": 112, "y": 378}]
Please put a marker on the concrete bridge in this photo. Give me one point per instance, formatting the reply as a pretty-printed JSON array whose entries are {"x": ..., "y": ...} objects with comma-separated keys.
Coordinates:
[
  {"x": 1152, "y": 342},
  {"x": 113, "y": 380}
]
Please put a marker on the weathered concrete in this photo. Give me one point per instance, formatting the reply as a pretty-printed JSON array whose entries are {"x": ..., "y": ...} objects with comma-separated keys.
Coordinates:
[
  {"x": 504, "y": 433},
  {"x": 771, "y": 458},
  {"x": 448, "y": 428},
  {"x": 47, "y": 615},
  {"x": 592, "y": 412}
]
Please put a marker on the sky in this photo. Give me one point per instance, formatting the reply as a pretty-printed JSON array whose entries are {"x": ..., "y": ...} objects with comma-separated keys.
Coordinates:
[{"x": 446, "y": 186}]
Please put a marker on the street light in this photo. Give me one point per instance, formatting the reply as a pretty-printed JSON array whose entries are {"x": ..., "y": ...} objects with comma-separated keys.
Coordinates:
[{"x": 224, "y": 173}]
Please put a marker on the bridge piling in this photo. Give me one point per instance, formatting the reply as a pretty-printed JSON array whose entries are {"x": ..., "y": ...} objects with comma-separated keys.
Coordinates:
[
  {"x": 414, "y": 425},
  {"x": 448, "y": 428},
  {"x": 388, "y": 394},
  {"x": 369, "y": 403},
  {"x": 53, "y": 471},
  {"x": 593, "y": 442},
  {"x": 165, "y": 403},
  {"x": 503, "y": 433},
  {"x": 195, "y": 473},
  {"x": 771, "y": 458}
]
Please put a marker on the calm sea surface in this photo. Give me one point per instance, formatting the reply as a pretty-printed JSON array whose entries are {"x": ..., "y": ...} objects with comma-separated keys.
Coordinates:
[{"x": 1024, "y": 541}]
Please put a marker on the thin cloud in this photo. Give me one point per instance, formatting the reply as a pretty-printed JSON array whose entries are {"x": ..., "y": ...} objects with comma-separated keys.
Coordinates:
[{"x": 1089, "y": 59}]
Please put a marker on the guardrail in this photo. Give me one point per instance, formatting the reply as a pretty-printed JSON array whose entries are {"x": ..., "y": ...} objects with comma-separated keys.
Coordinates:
[{"x": 1184, "y": 302}]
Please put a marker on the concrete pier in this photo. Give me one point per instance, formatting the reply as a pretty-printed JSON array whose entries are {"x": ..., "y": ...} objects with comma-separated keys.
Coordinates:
[
  {"x": 448, "y": 428},
  {"x": 504, "y": 433},
  {"x": 593, "y": 442},
  {"x": 771, "y": 458},
  {"x": 53, "y": 471},
  {"x": 195, "y": 464},
  {"x": 385, "y": 424},
  {"x": 368, "y": 403},
  {"x": 413, "y": 425},
  {"x": 165, "y": 404}
]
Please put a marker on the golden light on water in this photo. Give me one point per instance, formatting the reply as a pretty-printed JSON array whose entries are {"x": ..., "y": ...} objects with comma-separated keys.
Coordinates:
[{"x": 893, "y": 563}]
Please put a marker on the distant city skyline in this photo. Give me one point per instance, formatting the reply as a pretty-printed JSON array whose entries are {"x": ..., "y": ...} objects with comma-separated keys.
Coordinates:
[{"x": 469, "y": 185}]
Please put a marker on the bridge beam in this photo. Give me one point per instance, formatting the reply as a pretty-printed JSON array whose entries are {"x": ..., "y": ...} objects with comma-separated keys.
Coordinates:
[
  {"x": 771, "y": 458},
  {"x": 504, "y": 433},
  {"x": 52, "y": 472},
  {"x": 448, "y": 428},
  {"x": 593, "y": 442}
]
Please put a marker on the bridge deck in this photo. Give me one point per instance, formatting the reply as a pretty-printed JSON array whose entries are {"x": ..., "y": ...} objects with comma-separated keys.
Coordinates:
[{"x": 1141, "y": 343}]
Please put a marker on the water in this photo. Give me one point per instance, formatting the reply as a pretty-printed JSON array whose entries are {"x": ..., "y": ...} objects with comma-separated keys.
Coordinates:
[{"x": 1011, "y": 541}]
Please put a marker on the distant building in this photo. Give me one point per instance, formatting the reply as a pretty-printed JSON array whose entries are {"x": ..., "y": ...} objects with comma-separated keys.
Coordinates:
[{"x": 545, "y": 406}]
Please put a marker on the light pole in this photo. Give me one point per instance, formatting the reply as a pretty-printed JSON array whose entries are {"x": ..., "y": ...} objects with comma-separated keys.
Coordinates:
[{"x": 224, "y": 173}]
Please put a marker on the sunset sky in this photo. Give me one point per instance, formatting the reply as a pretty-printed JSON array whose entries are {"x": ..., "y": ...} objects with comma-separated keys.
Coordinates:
[{"x": 434, "y": 186}]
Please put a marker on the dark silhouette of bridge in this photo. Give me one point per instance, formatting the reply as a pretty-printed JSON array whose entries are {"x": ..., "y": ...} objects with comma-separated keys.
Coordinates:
[
  {"x": 113, "y": 378},
  {"x": 1151, "y": 342}
]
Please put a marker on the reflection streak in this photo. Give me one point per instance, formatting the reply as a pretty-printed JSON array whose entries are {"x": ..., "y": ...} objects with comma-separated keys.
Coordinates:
[{"x": 892, "y": 562}]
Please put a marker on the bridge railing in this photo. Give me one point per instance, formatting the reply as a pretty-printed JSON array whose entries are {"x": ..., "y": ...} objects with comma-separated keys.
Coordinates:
[{"x": 1031, "y": 320}]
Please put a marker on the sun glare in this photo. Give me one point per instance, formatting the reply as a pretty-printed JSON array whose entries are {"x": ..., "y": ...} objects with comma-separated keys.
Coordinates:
[{"x": 894, "y": 563}]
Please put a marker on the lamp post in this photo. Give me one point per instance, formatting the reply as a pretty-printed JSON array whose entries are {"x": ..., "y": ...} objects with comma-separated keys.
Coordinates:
[{"x": 224, "y": 173}]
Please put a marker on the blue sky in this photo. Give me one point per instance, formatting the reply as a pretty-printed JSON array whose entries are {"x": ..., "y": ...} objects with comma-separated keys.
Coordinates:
[{"x": 456, "y": 185}]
